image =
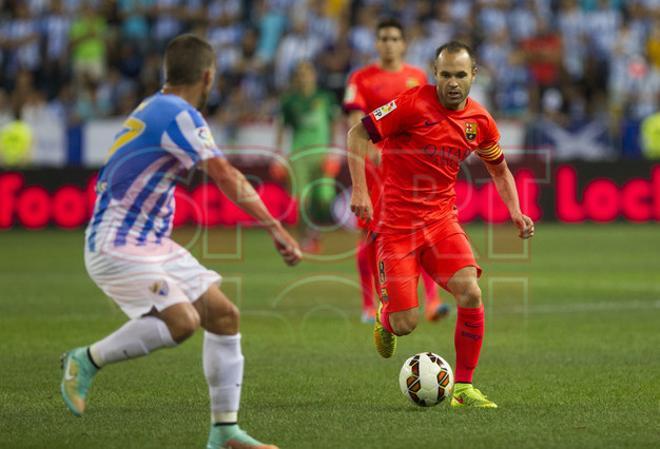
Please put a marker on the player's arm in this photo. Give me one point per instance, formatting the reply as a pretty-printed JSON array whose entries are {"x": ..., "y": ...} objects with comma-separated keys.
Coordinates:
[
  {"x": 383, "y": 122},
  {"x": 354, "y": 118},
  {"x": 240, "y": 191},
  {"x": 358, "y": 146},
  {"x": 506, "y": 188}
]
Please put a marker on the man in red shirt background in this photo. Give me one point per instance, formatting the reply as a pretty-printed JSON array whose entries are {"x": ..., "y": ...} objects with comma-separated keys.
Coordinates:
[
  {"x": 426, "y": 133},
  {"x": 368, "y": 88}
]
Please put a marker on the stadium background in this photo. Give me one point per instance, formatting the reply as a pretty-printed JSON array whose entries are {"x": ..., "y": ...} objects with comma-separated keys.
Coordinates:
[{"x": 572, "y": 342}]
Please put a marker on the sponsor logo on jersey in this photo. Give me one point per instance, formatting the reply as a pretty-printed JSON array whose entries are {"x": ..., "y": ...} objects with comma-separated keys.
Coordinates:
[
  {"x": 384, "y": 110},
  {"x": 470, "y": 131},
  {"x": 205, "y": 136}
]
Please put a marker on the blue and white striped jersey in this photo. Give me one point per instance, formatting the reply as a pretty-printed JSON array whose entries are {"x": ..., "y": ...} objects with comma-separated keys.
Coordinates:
[{"x": 161, "y": 139}]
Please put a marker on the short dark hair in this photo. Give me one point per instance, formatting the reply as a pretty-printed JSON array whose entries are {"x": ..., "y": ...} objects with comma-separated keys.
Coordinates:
[
  {"x": 186, "y": 58},
  {"x": 456, "y": 47},
  {"x": 390, "y": 22}
]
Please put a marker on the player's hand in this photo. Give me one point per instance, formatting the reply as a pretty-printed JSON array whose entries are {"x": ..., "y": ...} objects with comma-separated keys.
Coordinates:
[
  {"x": 361, "y": 205},
  {"x": 524, "y": 224},
  {"x": 285, "y": 244}
]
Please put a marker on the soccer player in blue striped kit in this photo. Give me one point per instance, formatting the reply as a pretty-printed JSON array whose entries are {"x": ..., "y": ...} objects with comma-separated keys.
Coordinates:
[{"x": 164, "y": 290}]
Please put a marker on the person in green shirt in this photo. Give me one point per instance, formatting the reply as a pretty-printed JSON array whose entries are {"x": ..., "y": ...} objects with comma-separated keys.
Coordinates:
[
  {"x": 311, "y": 115},
  {"x": 87, "y": 36}
]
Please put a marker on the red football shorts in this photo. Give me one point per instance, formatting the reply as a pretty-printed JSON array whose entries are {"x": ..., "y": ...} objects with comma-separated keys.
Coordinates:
[{"x": 441, "y": 249}]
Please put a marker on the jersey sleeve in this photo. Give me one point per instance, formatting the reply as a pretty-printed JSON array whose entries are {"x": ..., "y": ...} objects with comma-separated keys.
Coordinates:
[
  {"x": 353, "y": 97},
  {"x": 189, "y": 139},
  {"x": 489, "y": 148},
  {"x": 391, "y": 118}
]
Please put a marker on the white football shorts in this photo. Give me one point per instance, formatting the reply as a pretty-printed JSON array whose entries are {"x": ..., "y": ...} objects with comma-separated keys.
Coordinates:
[{"x": 140, "y": 278}]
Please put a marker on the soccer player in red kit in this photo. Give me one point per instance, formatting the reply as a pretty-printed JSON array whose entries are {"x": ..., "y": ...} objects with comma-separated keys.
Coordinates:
[
  {"x": 368, "y": 88},
  {"x": 426, "y": 132}
]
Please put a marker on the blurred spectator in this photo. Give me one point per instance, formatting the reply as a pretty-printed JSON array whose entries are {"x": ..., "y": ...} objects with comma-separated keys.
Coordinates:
[
  {"x": 421, "y": 49},
  {"x": 441, "y": 27},
  {"x": 310, "y": 114},
  {"x": 21, "y": 40},
  {"x": 300, "y": 44},
  {"x": 543, "y": 53},
  {"x": 361, "y": 36},
  {"x": 571, "y": 22},
  {"x": 335, "y": 63},
  {"x": 492, "y": 16},
  {"x": 322, "y": 23},
  {"x": 596, "y": 60},
  {"x": 135, "y": 22},
  {"x": 90, "y": 105},
  {"x": 88, "y": 33},
  {"x": 653, "y": 44},
  {"x": 522, "y": 20},
  {"x": 55, "y": 27},
  {"x": 271, "y": 23},
  {"x": 167, "y": 24}
]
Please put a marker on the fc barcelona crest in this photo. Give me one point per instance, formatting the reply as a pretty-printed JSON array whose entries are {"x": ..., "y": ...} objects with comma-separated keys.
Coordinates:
[
  {"x": 470, "y": 131},
  {"x": 411, "y": 82}
]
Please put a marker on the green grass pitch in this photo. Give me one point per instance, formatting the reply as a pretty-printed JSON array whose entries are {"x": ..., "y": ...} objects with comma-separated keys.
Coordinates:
[{"x": 571, "y": 354}]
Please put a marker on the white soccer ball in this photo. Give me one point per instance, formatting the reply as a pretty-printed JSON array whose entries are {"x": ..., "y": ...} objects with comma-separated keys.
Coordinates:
[{"x": 426, "y": 379}]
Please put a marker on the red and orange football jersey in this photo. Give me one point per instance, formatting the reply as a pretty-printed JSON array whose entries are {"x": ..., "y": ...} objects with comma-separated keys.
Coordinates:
[
  {"x": 422, "y": 145},
  {"x": 372, "y": 86}
]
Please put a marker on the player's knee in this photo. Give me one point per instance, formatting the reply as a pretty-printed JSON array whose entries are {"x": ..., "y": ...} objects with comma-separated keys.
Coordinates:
[
  {"x": 405, "y": 323},
  {"x": 185, "y": 325},
  {"x": 224, "y": 321},
  {"x": 470, "y": 296},
  {"x": 231, "y": 319}
]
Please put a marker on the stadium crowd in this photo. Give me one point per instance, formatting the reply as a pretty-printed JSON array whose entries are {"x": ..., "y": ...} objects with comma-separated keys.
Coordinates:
[{"x": 556, "y": 65}]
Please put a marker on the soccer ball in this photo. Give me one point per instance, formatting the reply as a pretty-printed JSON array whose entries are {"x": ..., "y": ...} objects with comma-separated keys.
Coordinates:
[{"x": 426, "y": 379}]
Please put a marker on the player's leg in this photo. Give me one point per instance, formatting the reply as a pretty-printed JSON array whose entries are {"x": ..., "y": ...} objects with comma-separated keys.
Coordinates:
[
  {"x": 365, "y": 257},
  {"x": 451, "y": 262},
  {"x": 398, "y": 276},
  {"x": 138, "y": 337},
  {"x": 223, "y": 368},
  {"x": 404, "y": 321},
  {"x": 434, "y": 308},
  {"x": 304, "y": 163},
  {"x": 468, "y": 338}
]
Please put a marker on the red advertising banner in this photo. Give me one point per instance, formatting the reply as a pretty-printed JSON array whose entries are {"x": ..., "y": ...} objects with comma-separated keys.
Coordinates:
[{"x": 566, "y": 192}]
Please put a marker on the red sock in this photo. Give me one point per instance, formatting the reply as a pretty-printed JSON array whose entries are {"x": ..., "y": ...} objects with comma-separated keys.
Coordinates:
[
  {"x": 467, "y": 341},
  {"x": 366, "y": 275},
  {"x": 430, "y": 288}
]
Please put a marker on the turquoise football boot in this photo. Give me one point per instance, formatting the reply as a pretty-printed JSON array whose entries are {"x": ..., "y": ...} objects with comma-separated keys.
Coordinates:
[{"x": 77, "y": 378}]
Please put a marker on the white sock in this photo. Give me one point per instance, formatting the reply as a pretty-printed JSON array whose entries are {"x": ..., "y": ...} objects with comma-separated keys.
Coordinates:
[
  {"x": 223, "y": 368},
  {"x": 134, "y": 339}
]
